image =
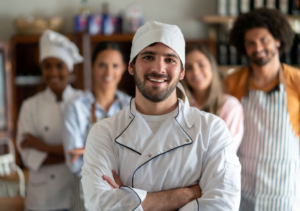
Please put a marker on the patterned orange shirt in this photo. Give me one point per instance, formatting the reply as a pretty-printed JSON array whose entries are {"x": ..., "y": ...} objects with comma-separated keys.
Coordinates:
[{"x": 236, "y": 85}]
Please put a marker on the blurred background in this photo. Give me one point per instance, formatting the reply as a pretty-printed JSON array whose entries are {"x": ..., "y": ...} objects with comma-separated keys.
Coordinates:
[{"x": 88, "y": 22}]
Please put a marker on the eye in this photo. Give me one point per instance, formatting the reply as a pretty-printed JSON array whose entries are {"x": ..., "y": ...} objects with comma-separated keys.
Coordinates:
[
  {"x": 188, "y": 67},
  {"x": 60, "y": 66},
  {"x": 102, "y": 65},
  {"x": 115, "y": 66},
  {"x": 147, "y": 57},
  {"x": 170, "y": 60}
]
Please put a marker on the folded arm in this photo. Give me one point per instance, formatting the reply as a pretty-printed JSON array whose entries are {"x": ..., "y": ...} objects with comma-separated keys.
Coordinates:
[
  {"x": 220, "y": 182},
  {"x": 163, "y": 200}
]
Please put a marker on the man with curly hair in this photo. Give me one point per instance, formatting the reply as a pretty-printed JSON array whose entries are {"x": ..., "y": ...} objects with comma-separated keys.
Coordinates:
[{"x": 270, "y": 94}]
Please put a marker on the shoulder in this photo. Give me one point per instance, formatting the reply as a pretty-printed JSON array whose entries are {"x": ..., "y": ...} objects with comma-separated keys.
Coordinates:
[
  {"x": 292, "y": 77},
  {"x": 32, "y": 101},
  {"x": 116, "y": 122},
  {"x": 230, "y": 101},
  {"x": 124, "y": 98},
  {"x": 211, "y": 130},
  {"x": 235, "y": 76}
]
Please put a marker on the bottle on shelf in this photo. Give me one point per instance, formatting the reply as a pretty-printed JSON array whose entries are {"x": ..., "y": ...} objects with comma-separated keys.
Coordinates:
[
  {"x": 222, "y": 7},
  {"x": 233, "y": 7},
  {"x": 233, "y": 55},
  {"x": 283, "y": 6},
  {"x": 256, "y": 4},
  {"x": 244, "y": 6},
  {"x": 81, "y": 20},
  {"x": 107, "y": 24},
  {"x": 271, "y": 4}
]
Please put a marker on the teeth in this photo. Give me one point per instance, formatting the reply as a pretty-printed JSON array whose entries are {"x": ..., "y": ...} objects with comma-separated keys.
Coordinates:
[
  {"x": 156, "y": 80},
  {"x": 109, "y": 79}
]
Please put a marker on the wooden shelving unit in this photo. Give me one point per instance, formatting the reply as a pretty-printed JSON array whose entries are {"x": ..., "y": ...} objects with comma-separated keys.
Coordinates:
[{"x": 216, "y": 19}]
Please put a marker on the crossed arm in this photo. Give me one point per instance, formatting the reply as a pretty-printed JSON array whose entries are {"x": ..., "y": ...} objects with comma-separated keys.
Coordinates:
[
  {"x": 55, "y": 152},
  {"x": 164, "y": 200}
]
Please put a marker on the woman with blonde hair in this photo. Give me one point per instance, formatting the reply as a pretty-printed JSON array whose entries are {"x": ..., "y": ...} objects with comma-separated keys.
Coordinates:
[{"x": 205, "y": 91}]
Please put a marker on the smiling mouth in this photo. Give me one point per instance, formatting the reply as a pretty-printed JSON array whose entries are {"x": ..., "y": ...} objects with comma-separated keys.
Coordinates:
[{"x": 157, "y": 80}]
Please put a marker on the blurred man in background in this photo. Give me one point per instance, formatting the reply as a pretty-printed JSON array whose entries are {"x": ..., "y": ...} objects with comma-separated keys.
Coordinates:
[{"x": 270, "y": 94}]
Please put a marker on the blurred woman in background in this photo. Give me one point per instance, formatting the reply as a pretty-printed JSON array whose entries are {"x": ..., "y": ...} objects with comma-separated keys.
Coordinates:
[
  {"x": 39, "y": 136},
  {"x": 205, "y": 91},
  {"x": 104, "y": 100}
]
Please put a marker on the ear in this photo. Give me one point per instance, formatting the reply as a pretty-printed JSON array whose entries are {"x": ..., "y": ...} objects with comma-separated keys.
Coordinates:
[
  {"x": 182, "y": 74},
  {"x": 278, "y": 43},
  {"x": 130, "y": 68},
  {"x": 124, "y": 67}
]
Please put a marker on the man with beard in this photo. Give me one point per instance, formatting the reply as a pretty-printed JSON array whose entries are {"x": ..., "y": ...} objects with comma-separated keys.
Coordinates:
[
  {"x": 270, "y": 95},
  {"x": 159, "y": 153}
]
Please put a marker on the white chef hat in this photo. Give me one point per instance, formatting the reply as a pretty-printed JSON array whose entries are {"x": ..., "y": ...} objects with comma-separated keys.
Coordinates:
[
  {"x": 152, "y": 32},
  {"x": 53, "y": 44}
]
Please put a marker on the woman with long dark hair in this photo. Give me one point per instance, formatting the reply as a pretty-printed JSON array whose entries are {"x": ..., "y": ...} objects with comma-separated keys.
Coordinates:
[
  {"x": 104, "y": 100},
  {"x": 205, "y": 90}
]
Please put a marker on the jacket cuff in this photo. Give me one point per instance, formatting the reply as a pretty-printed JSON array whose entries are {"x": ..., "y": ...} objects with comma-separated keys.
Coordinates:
[
  {"x": 140, "y": 196},
  {"x": 35, "y": 159},
  {"x": 192, "y": 206}
]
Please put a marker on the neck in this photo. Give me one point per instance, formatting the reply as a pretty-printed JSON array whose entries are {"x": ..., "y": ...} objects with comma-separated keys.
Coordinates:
[
  {"x": 262, "y": 76},
  {"x": 105, "y": 97},
  {"x": 58, "y": 94},
  {"x": 148, "y": 107},
  {"x": 200, "y": 96}
]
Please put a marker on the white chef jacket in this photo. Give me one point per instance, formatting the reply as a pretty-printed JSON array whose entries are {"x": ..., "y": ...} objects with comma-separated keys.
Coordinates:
[
  {"x": 49, "y": 187},
  {"x": 190, "y": 148}
]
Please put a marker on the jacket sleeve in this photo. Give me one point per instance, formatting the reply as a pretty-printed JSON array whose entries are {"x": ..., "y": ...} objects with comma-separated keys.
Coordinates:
[
  {"x": 32, "y": 158},
  {"x": 72, "y": 137},
  {"x": 100, "y": 159},
  {"x": 221, "y": 175}
]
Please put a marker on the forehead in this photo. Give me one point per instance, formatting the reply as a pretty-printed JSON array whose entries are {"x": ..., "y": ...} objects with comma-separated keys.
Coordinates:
[
  {"x": 257, "y": 33},
  {"x": 159, "y": 48},
  {"x": 52, "y": 60}
]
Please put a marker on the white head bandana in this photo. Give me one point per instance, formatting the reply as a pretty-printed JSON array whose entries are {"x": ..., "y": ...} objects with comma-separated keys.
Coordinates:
[
  {"x": 53, "y": 44},
  {"x": 152, "y": 32}
]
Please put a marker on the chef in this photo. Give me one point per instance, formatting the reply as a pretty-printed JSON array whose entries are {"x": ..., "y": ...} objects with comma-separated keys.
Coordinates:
[
  {"x": 159, "y": 153},
  {"x": 40, "y": 124}
]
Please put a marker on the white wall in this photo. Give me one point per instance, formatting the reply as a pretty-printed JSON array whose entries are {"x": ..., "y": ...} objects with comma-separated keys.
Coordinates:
[{"x": 184, "y": 13}]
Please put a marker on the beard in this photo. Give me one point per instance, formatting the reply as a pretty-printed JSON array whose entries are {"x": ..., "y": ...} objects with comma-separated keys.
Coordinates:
[
  {"x": 260, "y": 62},
  {"x": 152, "y": 93}
]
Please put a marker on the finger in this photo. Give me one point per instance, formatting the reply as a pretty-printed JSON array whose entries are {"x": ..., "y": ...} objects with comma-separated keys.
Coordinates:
[
  {"x": 105, "y": 179},
  {"x": 116, "y": 178},
  {"x": 110, "y": 182},
  {"x": 74, "y": 158}
]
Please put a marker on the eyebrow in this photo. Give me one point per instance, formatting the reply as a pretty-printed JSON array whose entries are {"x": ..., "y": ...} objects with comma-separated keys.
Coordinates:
[{"x": 153, "y": 53}]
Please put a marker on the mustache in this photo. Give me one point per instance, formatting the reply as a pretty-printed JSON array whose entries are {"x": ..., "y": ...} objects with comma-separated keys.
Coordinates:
[
  {"x": 157, "y": 75},
  {"x": 256, "y": 53}
]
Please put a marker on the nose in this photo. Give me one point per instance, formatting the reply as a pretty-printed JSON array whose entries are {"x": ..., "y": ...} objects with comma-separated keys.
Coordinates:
[
  {"x": 109, "y": 70},
  {"x": 159, "y": 65},
  {"x": 258, "y": 47}
]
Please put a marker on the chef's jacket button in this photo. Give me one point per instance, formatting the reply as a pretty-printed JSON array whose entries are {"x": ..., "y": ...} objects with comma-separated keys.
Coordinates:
[
  {"x": 149, "y": 155},
  {"x": 188, "y": 140},
  {"x": 52, "y": 176},
  {"x": 123, "y": 135},
  {"x": 130, "y": 117},
  {"x": 46, "y": 128}
]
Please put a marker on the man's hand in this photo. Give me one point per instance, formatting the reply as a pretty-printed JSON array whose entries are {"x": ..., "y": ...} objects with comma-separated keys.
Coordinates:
[
  {"x": 113, "y": 184},
  {"x": 76, "y": 153},
  {"x": 30, "y": 141}
]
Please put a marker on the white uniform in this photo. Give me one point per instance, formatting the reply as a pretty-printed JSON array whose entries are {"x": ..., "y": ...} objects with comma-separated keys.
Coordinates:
[
  {"x": 191, "y": 147},
  {"x": 49, "y": 187}
]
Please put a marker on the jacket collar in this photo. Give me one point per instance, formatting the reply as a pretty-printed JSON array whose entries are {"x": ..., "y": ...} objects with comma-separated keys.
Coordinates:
[
  {"x": 184, "y": 108},
  {"x": 67, "y": 93}
]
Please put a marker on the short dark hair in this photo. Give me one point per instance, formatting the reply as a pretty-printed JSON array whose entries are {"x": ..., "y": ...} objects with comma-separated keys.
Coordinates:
[
  {"x": 271, "y": 19},
  {"x": 134, "y": 60},
  {"x": 106, "y": 45}
]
